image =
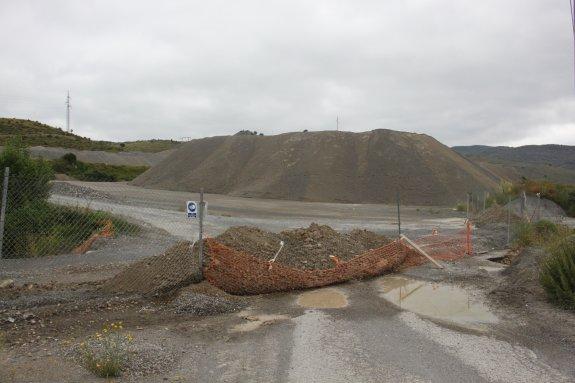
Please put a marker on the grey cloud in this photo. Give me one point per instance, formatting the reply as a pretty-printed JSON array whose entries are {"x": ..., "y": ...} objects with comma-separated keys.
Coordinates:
[{"x": 465, "y": 72}]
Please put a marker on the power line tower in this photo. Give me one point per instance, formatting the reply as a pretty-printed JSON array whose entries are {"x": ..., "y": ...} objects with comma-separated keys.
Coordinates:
[{"x": 68, "y": 107}]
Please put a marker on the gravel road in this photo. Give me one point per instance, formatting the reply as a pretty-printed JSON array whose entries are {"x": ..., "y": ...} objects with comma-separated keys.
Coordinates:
[{"x": 164, "y": 210}]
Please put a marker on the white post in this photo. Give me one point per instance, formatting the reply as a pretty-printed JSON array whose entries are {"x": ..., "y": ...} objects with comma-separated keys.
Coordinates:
[
  {"x": 201, "y": 232},
  {"x": 420, "y": 250}
]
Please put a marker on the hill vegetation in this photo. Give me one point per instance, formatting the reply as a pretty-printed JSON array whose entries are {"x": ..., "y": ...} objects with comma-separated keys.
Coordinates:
[
  {"x": 553, "y": 163},
  {"x": 34, "y": 133},
  {"x": 83, "y": 171}
]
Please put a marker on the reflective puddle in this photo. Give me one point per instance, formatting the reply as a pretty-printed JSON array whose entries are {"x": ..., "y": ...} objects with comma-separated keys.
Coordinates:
[
  {"x": 329, "y": 298},
  {"x": 435, "y": 300}
]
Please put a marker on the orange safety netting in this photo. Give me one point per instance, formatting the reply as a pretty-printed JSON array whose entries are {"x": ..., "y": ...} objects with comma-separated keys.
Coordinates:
[
  {"x": 243, "y": 274},
  {"x": 240, "y": 273}
]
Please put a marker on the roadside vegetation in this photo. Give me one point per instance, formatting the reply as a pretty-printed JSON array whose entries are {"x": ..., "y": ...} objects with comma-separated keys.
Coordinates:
[
  {"x": 34, "y": 133},
  {"x": 36, "y": 227},
  {"x": 557, "y": 273},
  {"x": 562, "y": 194},
  {"x": 83, "y": 171},
  {"x": 106, "y": 353},
  {"x": 557, "y": 270}
]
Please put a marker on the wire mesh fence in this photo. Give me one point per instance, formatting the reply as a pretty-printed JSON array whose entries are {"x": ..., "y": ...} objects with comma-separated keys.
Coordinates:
[{"x": 52, "y": 226}]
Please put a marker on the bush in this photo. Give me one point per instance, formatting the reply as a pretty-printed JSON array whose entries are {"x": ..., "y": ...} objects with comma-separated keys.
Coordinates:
[
  {"x": 29, "y": 178},
  {"x": 557, "y": 274},
  {"x": 524, "y": 234}
]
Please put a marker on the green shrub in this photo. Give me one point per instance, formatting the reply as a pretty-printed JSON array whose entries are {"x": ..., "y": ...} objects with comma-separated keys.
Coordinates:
[
  {"x": 557, "y": 274},
  {"x": 29, "y": 178}
]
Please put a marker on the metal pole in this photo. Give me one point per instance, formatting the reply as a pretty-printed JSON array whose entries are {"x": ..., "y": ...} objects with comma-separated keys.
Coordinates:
[
  {"x": 201, "y": 232},
  {"x": 467, "y": 214},
  {"x": 3, "y": 208},
  {"x": 508, "y": 220},
  {"x": 398, "y": 216}
]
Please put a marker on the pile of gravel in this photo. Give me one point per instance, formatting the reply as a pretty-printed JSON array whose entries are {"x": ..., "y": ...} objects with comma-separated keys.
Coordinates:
[
  {"x": 161, "y": 274},
  {"x": 304, "y": 248},
  {"x": 76, "y": 191}
]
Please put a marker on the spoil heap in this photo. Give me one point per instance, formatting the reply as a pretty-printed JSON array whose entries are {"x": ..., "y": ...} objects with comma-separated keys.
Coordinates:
[
  {"x": 304, "y": 248},
  {"x": 368, "y": 167},
  {"x": 160, "y": 274}
]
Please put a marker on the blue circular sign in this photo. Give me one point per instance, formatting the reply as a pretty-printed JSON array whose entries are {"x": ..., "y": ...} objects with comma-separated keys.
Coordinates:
[{"x": 192, "y": 207}]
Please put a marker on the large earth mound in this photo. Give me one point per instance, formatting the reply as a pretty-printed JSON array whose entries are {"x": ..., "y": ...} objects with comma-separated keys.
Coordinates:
[{"x": 329, "y": 166}]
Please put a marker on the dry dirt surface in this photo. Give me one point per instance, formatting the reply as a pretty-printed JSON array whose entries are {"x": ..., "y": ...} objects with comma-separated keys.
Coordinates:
[
  {"x": 304, "y": 248},
  {"x": 327, "y": 166}
]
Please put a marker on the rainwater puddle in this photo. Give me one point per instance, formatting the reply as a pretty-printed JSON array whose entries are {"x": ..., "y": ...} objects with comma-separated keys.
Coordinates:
[
  {"x": 435, "y": 300},
  {"x": 323, "y": 299},
  {"x": 253, "y": 322}
]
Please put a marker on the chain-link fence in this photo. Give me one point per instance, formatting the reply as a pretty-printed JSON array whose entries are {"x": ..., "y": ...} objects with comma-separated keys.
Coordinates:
[{"x": 72, "y": 231}]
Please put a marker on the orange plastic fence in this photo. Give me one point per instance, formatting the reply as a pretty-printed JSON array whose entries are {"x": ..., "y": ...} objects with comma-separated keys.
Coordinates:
[{"x": 243, "y": 274}]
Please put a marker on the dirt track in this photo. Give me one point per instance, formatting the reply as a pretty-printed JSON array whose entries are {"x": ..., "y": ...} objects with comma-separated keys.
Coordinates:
[{"x": 165, "y": 209}]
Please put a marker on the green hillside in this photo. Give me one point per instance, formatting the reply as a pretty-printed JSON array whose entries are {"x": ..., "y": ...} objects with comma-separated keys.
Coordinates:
[{"x": 34, "y": 133}]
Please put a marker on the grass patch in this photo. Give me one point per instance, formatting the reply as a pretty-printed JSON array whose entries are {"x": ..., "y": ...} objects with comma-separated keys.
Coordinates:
[
  {"x": 107, "y": 352},
  {"x": 557, "y": 273},
  {"x": 41, "y": 228},
  {"x": 542, "y": 233}
]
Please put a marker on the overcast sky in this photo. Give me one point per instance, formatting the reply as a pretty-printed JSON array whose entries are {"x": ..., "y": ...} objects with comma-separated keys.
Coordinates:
[{"x": 466, "y": 72}]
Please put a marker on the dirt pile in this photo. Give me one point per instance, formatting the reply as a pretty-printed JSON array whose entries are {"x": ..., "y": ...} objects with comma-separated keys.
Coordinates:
[
  {"x": 304, "y": 248},
  {"x": 536, "y": 209},
  {"x": 368, "y": 167},
  {"x": 157, "y": 275}
]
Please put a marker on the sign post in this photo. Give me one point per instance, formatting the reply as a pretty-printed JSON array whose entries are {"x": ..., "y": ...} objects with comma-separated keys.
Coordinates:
[
  {"x": 201, "y": 236},
  {"x": 198, "y": 210}
]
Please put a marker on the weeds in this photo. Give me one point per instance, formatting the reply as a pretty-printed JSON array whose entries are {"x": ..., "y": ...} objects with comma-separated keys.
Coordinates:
[
  {"x": 107, "y": 352},
  {"x": 543, "y": 233},
  {"x": 557, "y": 273},
  {"x": 42, "y": 228}
]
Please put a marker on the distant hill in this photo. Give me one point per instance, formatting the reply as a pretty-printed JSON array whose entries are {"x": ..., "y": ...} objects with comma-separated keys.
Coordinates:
[
  {"x": 323, "y": 166},
  {"x": 34, "y": 133},
  {"x": 555, "y": 163}
]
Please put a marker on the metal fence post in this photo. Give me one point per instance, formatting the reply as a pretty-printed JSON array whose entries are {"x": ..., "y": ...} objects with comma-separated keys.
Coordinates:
[
  {"x": 398, "y": 216},
  {"x": 508, "y": 220},
  {"x": 201, "y": 233},
  {"x": 3, "y": 207}
]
